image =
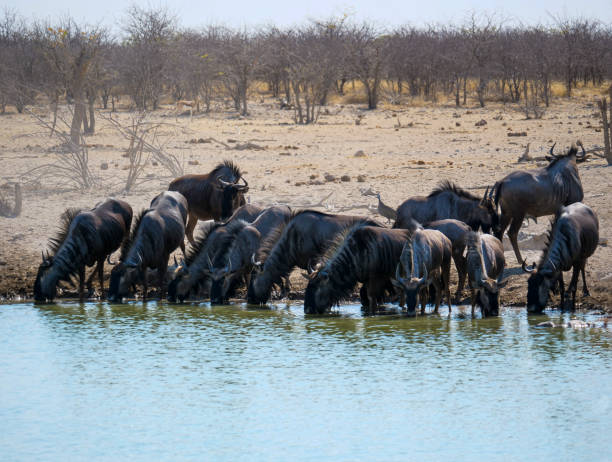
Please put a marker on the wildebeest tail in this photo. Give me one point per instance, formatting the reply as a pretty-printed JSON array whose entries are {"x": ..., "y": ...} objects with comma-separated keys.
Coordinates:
[{"x": 497, "y": 188}]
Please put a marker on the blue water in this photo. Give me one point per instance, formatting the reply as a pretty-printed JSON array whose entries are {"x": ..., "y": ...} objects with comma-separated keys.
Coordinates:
[{"x": 191, "y": 382}]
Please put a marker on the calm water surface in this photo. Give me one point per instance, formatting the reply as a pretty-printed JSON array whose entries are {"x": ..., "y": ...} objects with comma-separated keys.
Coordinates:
[{"x": 176, "y": 382}]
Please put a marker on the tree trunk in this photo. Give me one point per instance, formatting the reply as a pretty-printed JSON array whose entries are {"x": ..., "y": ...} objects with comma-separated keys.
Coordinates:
[
  {"x": 77, "y": 118},
  {"x": 603, "y": 107}
]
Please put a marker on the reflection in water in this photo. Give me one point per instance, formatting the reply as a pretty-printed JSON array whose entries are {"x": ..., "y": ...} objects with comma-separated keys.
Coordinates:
[{"x": 159, "y": 381}]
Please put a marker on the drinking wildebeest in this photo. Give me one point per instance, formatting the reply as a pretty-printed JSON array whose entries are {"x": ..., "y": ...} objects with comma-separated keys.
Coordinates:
[
  {"x": 214, "y": 195},
  {"x": 485, "y": 266},
  {"x": 572, "y": 239},
  {"x": 449, "y": 201},
  {"x": 537, "y": 192},
  {"x": 233, "y": 263},
  {"x": 193, "y": 274},
  {"x": 365, "y": 254},
  {"x": 455, "y": 231},
  {"x": 157, "y": 232},
  {"x": 86, "y": 237},
  {"x": 302, "y": 240},
  {"x": 425, "y": 260}
]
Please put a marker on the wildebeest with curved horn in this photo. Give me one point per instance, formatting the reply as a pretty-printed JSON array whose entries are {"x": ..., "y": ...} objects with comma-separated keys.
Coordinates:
[
  {"x": 537, "y": 193},
  {"x": 195, "y": 270},
  {"x": 365, "y": 254},
  {"x": 233, "y": 261},
  {"x": 214, "y": 195},
  {"x": 302, "y": 240},
  {"x": 456, "y": 232},
  {"x": 425, "y": 260},
  {"x": 156, "y": 233},
  {"x": 572, "y": 239},
  {"x": 449, "y": 201},
  {"x": 86, "y": 237},
  {"x": 485, "y": 264}
]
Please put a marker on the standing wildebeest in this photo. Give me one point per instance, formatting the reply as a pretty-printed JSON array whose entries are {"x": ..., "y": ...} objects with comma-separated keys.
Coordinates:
[
  {"x": 572, "y": 239},
  {"x": 214, "y": 195},
  {"x": 86, "y": 237},
  {"x": 233, "y": 260},
  {"x": 455, "y": 231},
  {"x": 425, "y": 260},
  {"x": 538, "y": 192},
  {"x": 449, "y": 201},
  {"x": 302, "y": 240},
  {"x": 157, "y": 232},
  {"x": 485, "y": 266},
  {"x": 366, "y": 254},
  {"x": 194, "y": 272}
]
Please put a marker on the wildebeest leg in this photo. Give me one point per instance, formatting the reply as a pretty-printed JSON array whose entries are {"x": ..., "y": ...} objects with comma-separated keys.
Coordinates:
[
  {"x": 561, "y": 289},
  {"x": 422, "y": 295},
  {"x": 446, "y": 283},
  {"x": 89, "y": 282},
  {"x": 585, "y": 289},
  {"x": 182, "y": 246},
  {"x": 363, "y": 296},
  {"x": 473, "y": 299},
  {"x": 81, "y": 283},
  {"x": 573, "y": 286},
  {"x": 504, "y": 221},
  {"x": 517, "y": 221},
  {"x": 145, "y": 286},
  {"x": 192, "y": 220},
  {"x": 101, "y": 276},
  {"x": 161, "y": 276},
  {"x": 437, "y": 283},
  {"x": 461, "y": 273}
]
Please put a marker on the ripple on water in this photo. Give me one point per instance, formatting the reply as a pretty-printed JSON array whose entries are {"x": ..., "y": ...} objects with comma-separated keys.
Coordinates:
[{"x": 100, "y": 381}]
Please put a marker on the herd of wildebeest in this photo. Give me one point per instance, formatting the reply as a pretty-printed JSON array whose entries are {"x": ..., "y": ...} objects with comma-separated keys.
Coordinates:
[{"x": 247, "y": 246}]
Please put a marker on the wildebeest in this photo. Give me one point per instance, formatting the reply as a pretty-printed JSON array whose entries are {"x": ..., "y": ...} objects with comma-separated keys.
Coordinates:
[
  {"x": 455, "y": 231},
  {"x": 86, "y": 237},
  {"x": 425, "y": 260},
  {"x": 302, "y": 240},
  {"x": 195, "y": 270},
  {"x": 485, "y": 266},
  {"x": 572, "y": 239},
  {"x": 449, "y": 201},
  {"x": 537, "y": 193},
  {"x": 232, "y": 263},
  {"x": 213, "y": 195},
  {"x": 156, "y": 233},
  {"x": 366, "y": 254}
]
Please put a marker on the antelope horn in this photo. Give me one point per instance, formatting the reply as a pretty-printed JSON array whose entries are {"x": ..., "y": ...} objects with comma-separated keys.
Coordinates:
[
  {"x": 210, "y": 265},
  {"x": 224, "y": 183},
  {"x": 108, "y": 260},
  {"x": 243, "y": 187},
  {"x": 309, "y": 268},
  {"x": 551, "y": 149},
  {"x": 42, "y": 255},
  {"x": 527, "y": 269},
  {"x": 255, "y": 263},
  {"x": 486, "y": 193},
  {"x": 175, "y": 262},
  {"x": 397, "y": 272}
]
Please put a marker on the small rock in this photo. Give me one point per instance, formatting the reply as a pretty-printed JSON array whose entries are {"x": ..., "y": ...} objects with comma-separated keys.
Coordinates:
[
  {"x": 313, "y": 176},
  {"x": 193, "y": 162},
  {"x": 104, "y": 166},
  {"x": 231, "y": 140},
  {"x": 420, "y": 162},
  {"x": 329, "y": 177},
  {"x": 361, "y": 178},
  {"x": 359, "y": 153},
  {"x": 284, "y": 153},
  {"x": 457, "y": 124},
  {"x": 345, "y": 178},
  {"x": 481, "y": 123}
]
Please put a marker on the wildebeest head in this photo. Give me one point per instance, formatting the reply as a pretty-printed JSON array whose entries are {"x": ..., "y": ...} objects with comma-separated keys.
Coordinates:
[
  {"x": 180, "y": 284},
  {"x": 319, "y": 296},
  {"x": 487, "y": 293},
  {"x": 45, "y": 284},
  {"x": 121, "y": 280},
  {"x": 221, "y": 280},
  {"x": 488, "y": 216},
  {"x": 411, "y": 286},
  {"x": 232, "y": 196},
  {"x": 260, "y": 286},
  {"x": 539, "y": 285}
]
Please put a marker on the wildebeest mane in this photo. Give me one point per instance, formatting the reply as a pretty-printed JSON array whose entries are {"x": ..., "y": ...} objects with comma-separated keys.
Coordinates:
[
  {"x": 65, "y": 221},
  {"x": 200, "y": 242},
  {"x": 129, "y": 239},
  {"x": 225, "y": 242},
  {"x": 449, "y": 186},
  {"x": 229, "y": 165},
  {"x": 572, "y": 152},
  {"x": 562, "y": 243}
]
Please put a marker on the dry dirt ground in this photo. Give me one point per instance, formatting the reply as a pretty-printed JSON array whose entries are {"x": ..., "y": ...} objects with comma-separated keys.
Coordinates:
[{"x": 399, "y": 151}]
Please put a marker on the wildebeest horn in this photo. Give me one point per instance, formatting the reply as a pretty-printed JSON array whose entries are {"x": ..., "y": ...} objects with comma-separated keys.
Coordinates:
[
  {"x": 255, "y": 263},
  {"x": 224, "y": 183},
  {"x": 208, "y": 260},
  {"x": 527, "y": 269},
  {"x": 42, "y": 255},
  {"x": 108, "y": 260},
  {"x": 175, "y": 262},
  {"x": 486, "y": 193},
  {"x": 244, "y": 187},
  {"x": 423, "y": 280},
  {"x": 551, "y": 149}
]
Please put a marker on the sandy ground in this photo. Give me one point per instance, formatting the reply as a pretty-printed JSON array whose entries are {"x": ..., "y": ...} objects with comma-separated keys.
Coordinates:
[{"x": 405, "y": 151}]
